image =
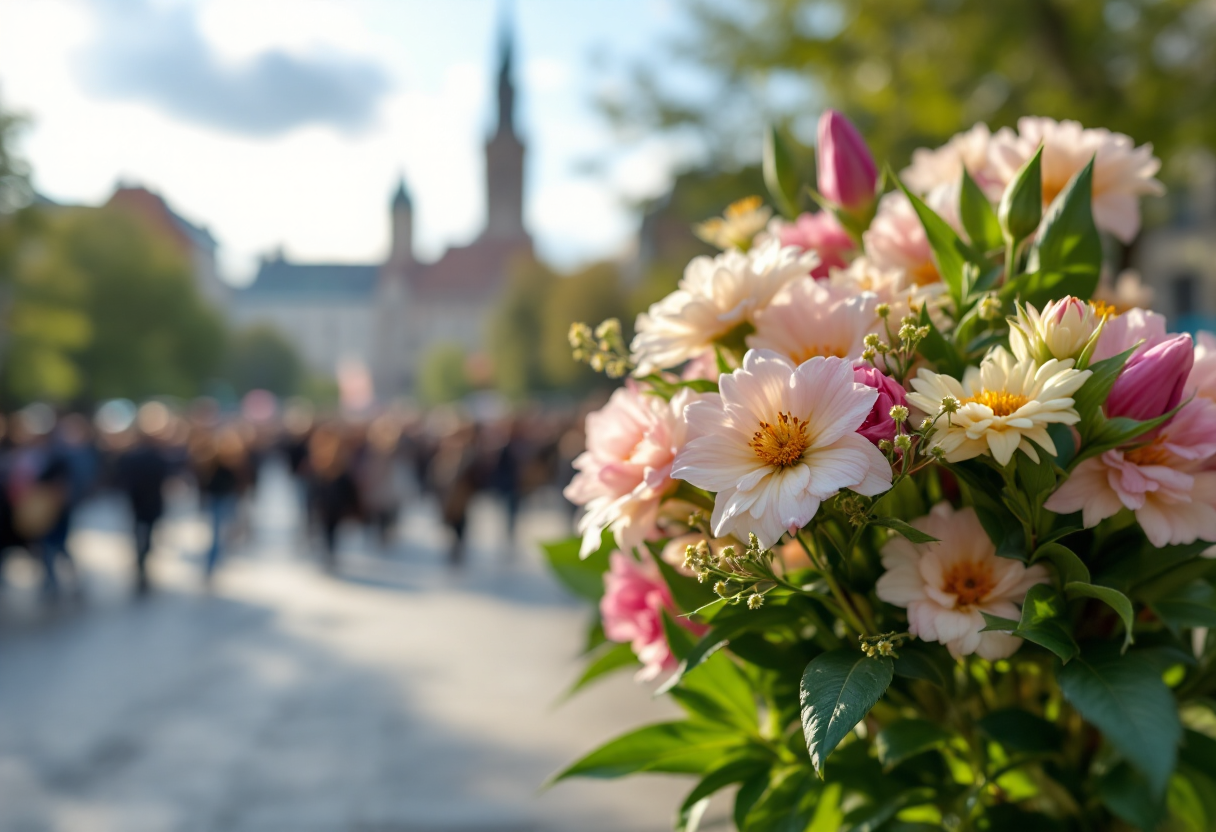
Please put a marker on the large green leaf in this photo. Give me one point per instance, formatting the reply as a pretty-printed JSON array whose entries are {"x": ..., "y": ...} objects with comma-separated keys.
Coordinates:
[
  {"x": 679, "y": 747},
  {"x": 1021, "y": 732},
  {"x": 1066, "y": 257},
  {"x": 1128, "y": 795},
  {"x": 979, "y": 220},
  {"x": 607, "y": 660},
  {"x": 717, "y": 691},
  {"x": 1069, "y": 566},
  {"x": 949, "y": 251},
  {"x": 780, "y": 173},
  {"x": 733, "y": 771},
  {"x": 926, "y": 662},
  {"x": 582, "y": 576},
  {"x": 727, "y": 627},
  {"x": 1113, "y": 598},
  {"x": 907, "y": 738},
  {"x": 1125, "y": 698},
  {"x": 784, "y": 803},
  {"x": 838, "y": 690},
  {"x": 1042, "y": 622},
  {"x": 1193, "y": 605},
  {"x": 905, "y": 529}
]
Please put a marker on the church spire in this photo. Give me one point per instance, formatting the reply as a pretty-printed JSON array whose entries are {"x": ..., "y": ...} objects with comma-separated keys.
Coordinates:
[{"x": 506, "y": 89}]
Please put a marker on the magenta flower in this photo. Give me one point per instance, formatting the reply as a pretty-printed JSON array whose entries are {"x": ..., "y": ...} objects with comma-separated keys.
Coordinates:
[
  {"x": 1152, "y": 380},
  {"x": 820, "y": 233},
  {"x": 879, "y": 425},
  {"x": 846, "y": 170}
]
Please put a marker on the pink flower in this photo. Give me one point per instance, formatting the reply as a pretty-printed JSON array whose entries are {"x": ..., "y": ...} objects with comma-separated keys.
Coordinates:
[
  {"x": 820, "y": 233},
  {"x": 948, "y": 584},
  {"x": 971, "y": 150},
  {"x": 879, "y": 425},
  {"x": 1163, "y": 482},
  {"x": 846, "y": 171},
  {"x": 777, "y": 441},
  {"x": 1152, "y": 380},
  {"x": 809, "y": 318},
  {"x": 1123, "y": 332},
  {"x": 896, "y": 239},
  {"x": 626, "y": 470},
  {"x": 632, "y": 606},
  {"x": 1202, "y": 380}
]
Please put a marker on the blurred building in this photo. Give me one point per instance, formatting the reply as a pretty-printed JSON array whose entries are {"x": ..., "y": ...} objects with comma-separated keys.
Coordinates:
[
  {"x": 194, "y": 242},
  {"x": 1178, "y": 260},
  {"x": 386, "y": 316}
]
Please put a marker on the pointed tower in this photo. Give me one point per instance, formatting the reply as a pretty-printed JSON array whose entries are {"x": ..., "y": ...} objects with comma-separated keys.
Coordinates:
[
  {"x": 401, "y": 253},
  {"x": 505, "y": 155}
]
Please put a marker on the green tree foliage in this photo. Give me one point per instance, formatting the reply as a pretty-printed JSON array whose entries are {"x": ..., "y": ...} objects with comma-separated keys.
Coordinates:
[
  {"x": 260, "y": 358},
  {"x": 102, "y": 308},
  {"x": 443, "y": 375},
  {"x": 911, "y": 73}
]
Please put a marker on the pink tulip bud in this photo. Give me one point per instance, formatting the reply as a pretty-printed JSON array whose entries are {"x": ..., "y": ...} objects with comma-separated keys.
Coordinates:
[
  {"x": 1152, "y": 380},
  {"x": 879, "y": 425},
  {"x": 846, "y": 170}
]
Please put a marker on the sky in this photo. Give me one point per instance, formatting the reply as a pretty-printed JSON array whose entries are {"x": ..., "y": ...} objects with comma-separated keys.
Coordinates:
[{"x": 284, "y": 124}]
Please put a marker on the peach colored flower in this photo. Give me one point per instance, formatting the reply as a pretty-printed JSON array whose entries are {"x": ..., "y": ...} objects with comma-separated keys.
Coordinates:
[
  {"x": 896, "y": 239},
  {"x": 777, "y": 441},
  {"x": 971, "y": 149},
  {"x": 1163, "y": 482},
  {"x": 948, "y": 584},
  {"x": 808, "y": 318},
  {"x": 626, "y": 470}
]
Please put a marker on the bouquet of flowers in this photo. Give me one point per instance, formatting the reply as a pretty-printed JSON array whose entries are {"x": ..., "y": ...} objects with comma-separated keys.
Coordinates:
[{"x": 909, "y": 510}]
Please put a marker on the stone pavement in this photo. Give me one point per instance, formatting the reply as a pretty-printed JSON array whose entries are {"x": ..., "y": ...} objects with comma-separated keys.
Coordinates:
[{"x": 390, "y": 697}]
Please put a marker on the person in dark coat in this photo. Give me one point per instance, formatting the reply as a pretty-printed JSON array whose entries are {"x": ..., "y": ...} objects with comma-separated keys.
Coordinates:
[{"x": 141, "y": 474}]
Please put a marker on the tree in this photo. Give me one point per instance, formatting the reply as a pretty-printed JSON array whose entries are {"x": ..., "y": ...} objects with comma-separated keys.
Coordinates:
[
  {"x": 442, "y": 377},
  {"x": 913, "y": 72},
  {"x": 260, "y": 358}
]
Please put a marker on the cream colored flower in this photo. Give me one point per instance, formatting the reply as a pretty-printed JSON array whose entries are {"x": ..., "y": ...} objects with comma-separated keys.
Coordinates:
[
  {"x": 1122, "y": 172},
  {"x": 807, "y": 318},
  {"x": 892, "y": 287},
  {"x": 971, "y": 149},
  {"x": 947, "y": 585},
  {"x": 1065, "y": 328},
  {"x": 738, "y": 225},
  {"x": 1002, "y": 406},
  {"x": 716, "y": 295}
]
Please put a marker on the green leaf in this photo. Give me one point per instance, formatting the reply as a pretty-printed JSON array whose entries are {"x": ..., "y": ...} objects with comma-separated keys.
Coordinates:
[
  {"x": 1194, "y": 605},
  {"x": 872, "y": 818},
  {"x": 949, "y": 251},
  {"x": 1021, "y": 732},
  {"x": 1022, "y": 202},
  {"x": 731, "y": 772},
  {"x": 1042, "y": 623},
  {"x": 780, "y": 173},
  {"x": 616, "y": 657},
  {"x": 979, "y": 220},
  {"x": 906, "y": 529},
  {"x": 1068, "y": 251},
  {"x": 1129, "y": 796},
  {"x": 1125, "y": 698},
  {"x": 1069, "y": 567},
  {"x": 943, "y": 354},
  {"x": 928, "y": 664},
  {"x": 1093, "y": 393},
  {"x": 1113, "y": 598},
  {"x": 1036, "y": 477},
  {"x": 724, "y": 630},
  {"x": 582, "y": 576},
  {"x": 676, "y": 747},
  {"x": 838, "y": 690},
  {"x": 1066, "y": 444},
  {"x": 688, "y": 593},
  {"x": 907, "y": 738},
  {"x": 718, "y": 691},
  {"x": 785, "y": 804},
  {"x": 1199, "y": 751}
]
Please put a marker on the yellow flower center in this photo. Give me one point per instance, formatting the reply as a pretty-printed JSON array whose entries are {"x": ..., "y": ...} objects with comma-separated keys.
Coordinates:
[
  {"x": 925, "y": 274},
  {"x": 743, "y": 207},
  {"x": 807, "y": 353},
  {"x": 781, "y": 444},
  {"x": 1103, "y": 310},
  {"x": 1000, "y": 402},
  {"x": 1154, "y": 453},
  {"x": 969, "y": 581}
]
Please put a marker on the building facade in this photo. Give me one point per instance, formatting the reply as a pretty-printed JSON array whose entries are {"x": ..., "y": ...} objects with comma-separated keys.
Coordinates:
[{"x": 387, "y": 316}]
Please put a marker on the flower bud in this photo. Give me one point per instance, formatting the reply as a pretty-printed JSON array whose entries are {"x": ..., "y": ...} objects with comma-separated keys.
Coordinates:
[
  {"x": 1022, "y": 203},
  {"x": 1066, "y": 328},
  {"x": 880, "y": 424},
  {"x": 846, "y": 171},
  {"x": 1152, "y": 381}
]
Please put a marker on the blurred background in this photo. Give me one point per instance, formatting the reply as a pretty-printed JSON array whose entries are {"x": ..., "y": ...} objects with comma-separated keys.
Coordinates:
[{"x": 287, "y": 397}]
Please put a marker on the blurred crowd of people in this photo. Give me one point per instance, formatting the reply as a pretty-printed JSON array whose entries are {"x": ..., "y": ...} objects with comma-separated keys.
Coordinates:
[{"x": 345, "y": 470}]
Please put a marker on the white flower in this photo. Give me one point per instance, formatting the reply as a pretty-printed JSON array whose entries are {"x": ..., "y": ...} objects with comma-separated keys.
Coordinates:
[
  {"x": 807, "y": 318},
  {"x": 779, "y": 440},
  {"x": 972, "y": 150},
  {"x": 1064, "y": 329},
  {"x": 1122, "y": 172},
  {"x": 892, "y": 287},
  {"x": 1003, "y": 406},
  {"x": 946, "y": 586},
  {"x": 715, "y": 295}
]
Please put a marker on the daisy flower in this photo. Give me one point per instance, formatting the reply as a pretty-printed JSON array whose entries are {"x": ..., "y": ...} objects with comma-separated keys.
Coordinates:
[
  {"x": 715, "y": 295},
  {"x": 1122, "y": 172},
  {"x": 1002, "y": 406},
  {"x": 777, "y": 441},
  {"x": 946, "y": 586},
  {"x": 807, "y": 318}
]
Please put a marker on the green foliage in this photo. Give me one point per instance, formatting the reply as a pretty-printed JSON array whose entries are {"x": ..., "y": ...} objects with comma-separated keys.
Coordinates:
[
  {"x": 683, "y": 747},
  {"x": 582, "y": 576},
  {"x": 443, "y": 374},
  {"x": 838, "y": 690}
]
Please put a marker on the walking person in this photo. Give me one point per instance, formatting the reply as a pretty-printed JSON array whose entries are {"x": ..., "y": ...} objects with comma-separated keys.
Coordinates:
[
  {"x": 453, "y": 476},
  {"x": 141, "y": 474},
  {"x": 220, "y": 461}
]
